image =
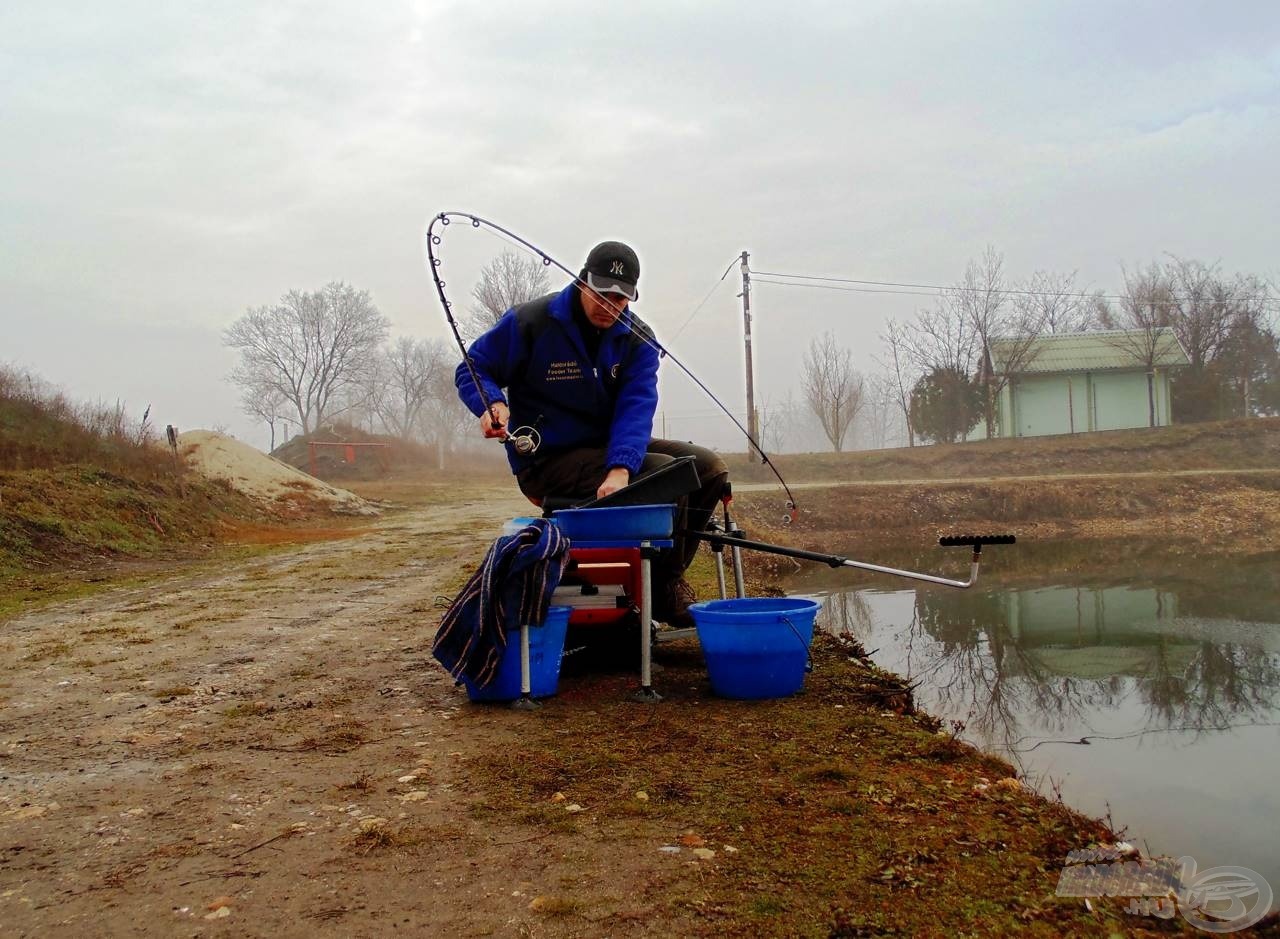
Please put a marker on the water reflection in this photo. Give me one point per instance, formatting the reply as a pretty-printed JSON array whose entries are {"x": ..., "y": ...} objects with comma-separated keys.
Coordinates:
[
  {"x": 1142, "y": 683},
  {"x": 1017, "y": 661}
]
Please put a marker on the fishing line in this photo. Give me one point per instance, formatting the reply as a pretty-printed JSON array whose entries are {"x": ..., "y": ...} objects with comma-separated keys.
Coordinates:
[
  {"x": 714, "y": 288},
  {"x": 435, "y": 239}
]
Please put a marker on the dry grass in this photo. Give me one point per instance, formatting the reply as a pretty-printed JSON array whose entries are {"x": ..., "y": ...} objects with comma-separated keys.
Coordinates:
[
  {"x": 41, "y": 428},
  {"x": 1237, "y": 444},
  {"x": 383, "y": 837}
]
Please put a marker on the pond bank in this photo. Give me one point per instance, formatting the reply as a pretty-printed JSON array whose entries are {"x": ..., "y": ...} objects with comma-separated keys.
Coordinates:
[
  {"x": 1225, "y": 512},
  {"x": 839, "y": 812}
]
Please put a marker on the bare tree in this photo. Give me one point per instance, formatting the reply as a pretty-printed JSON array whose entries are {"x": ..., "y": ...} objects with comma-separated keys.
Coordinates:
[
  {"x": 1142, "y": 323},
  {"x": 1250, "y": 358},
  {"x": 832, "y": 387},
  {"x": 902, "y": 377},
  {"x": 508, "y": 279},
  {"x": 443, "y": 420},
  {"x": 1056, "y": 303},
  {"x": 1201, "y": 308},
  {"x": 310, "y": 348},
  {"x": 265, "y": 403},
  {"x": 979, "y": 299},
  {"x": 881, "y": 413},
  {"x": 406, "y": 375}
]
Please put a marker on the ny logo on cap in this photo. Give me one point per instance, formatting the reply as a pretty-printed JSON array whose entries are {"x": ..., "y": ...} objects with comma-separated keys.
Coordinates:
[{"x": 617, "y": 268}]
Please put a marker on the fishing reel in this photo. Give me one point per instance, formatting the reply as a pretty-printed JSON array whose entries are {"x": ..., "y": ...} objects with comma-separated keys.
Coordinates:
[{"x": 524, "y": 440}]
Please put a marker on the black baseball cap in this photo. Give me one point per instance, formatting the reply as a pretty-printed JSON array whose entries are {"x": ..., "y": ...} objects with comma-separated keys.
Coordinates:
[{"x": 612, "y": 267}]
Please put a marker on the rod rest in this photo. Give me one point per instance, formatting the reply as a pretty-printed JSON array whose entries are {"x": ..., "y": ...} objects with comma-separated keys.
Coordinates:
[{"x": 952, "y": 541}]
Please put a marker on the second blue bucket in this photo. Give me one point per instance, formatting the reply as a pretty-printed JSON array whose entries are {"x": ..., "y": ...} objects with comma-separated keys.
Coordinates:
[
  {"x": 546, "y": 648},
  {"x": 756, "y": 647}
]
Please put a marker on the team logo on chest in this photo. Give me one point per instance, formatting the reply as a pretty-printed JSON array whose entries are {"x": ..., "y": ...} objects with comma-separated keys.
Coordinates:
[{"x": 568, "y": 370}]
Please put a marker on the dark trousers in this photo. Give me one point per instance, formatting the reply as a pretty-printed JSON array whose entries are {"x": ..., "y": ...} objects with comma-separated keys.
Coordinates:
[{"x": 577, "y": 474}]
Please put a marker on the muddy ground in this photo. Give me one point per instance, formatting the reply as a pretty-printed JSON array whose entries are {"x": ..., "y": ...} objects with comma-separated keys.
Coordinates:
[{"x": 268, "y": 749}]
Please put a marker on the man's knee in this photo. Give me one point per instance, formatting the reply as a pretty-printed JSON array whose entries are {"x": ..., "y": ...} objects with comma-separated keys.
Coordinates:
[{"x": 707, "y": 462}]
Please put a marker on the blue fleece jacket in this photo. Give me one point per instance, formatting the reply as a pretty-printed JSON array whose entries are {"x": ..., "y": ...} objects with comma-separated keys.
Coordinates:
[{"x": 546, "y": 376}]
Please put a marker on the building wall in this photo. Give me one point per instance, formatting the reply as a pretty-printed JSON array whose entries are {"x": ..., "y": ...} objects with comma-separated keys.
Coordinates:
[{"x": 1076, "y": 402}]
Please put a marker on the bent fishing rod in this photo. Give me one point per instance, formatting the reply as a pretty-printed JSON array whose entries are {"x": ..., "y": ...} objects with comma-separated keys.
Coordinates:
[{"x": 525, "y": 440}]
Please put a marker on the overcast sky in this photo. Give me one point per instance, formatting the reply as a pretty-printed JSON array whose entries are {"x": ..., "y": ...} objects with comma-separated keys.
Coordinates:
[{"x": 166, "y": 166}]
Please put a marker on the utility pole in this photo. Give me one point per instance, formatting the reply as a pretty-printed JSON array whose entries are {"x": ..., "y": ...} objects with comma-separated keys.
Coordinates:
[{"x": 752, "y": 429}]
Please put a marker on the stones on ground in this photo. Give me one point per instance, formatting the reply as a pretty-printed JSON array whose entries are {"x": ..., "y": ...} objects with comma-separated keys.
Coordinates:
[
  {"x": 703, "y": 854},
  {"x": 415, "y": 795},
  {"x": 670, "y": 849},
  {"x": 642, "y": 796},
  {"x": 574, "y": 808},
  {"x": 31, "y": 811},
  {"x": 221, "y": 912},
  {"x": 407, "y": 779},
  {"x": 558, "y": 797}
]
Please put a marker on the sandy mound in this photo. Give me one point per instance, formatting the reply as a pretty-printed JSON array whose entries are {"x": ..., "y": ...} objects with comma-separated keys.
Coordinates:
[{"x": 255, "y": 474}]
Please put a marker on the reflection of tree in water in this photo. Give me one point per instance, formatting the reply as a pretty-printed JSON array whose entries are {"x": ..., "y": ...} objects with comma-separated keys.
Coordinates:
[
  {"x": 847, "y": 614},
  {"x": 973, "y": 666},
  {"x": 1219, "y": 684},
  {"x": 996, "y": 681}
]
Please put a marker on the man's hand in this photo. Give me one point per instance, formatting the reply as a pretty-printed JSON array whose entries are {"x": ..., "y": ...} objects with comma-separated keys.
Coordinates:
[
  {"x": 493, "y": 423},
  {"x": 614, "y": 480}
]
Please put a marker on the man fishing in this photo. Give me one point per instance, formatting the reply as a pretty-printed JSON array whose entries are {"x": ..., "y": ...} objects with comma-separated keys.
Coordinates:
[{"x": 576, "y": 368}]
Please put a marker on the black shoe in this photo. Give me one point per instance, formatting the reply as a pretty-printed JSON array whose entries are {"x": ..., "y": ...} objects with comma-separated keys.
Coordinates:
[{"x": 671, "y": 605}]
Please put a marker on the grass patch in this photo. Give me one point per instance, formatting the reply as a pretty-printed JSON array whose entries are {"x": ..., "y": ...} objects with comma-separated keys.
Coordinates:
[
  {"x": 246, "y": 709},
  {"x": 556, "y": 906},
  {"x": 362, "y": 783},
  {"x": 175, "y": 691},
  {"x": 384, "y": 837},
  {"x": 45, "y": 651}
]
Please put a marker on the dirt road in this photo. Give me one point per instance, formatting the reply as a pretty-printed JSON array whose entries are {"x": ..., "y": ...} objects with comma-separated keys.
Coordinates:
[{"x": 271, "y": 750}]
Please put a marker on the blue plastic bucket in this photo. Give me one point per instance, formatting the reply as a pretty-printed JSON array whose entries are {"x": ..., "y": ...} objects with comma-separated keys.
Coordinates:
[
  {"x": 546, "y": 648},
  {"x": 756, "y": 647}
]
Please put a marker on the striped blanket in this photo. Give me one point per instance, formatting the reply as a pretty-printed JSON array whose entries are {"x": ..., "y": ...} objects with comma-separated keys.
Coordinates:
[{"x": 512, "y": 586}]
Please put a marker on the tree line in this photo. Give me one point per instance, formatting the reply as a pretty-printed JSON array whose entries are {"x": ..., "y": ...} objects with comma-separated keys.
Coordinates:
[
  {"x": 316, "y": 357},
  {"x": 937, "y": 381}
]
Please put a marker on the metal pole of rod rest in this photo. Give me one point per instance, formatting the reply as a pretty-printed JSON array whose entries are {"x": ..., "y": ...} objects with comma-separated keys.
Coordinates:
[
  {"x": 718, "y": 551},
  {"x": 977, "y": 541},
  {"x": 732, "y": 531}
]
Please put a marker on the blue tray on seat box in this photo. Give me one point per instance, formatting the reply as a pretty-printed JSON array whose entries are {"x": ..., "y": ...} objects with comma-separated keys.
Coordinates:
[{"x": 617, "y": 523}]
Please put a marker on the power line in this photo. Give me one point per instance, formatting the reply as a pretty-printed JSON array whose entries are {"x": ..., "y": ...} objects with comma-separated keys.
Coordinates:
[
  {"x": 929, "y": 290},
  {"x": 783, "y": 283}
]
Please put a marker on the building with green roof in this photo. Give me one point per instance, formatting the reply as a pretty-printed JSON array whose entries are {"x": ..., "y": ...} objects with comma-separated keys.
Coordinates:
[{"x": 1071, "y": 383}]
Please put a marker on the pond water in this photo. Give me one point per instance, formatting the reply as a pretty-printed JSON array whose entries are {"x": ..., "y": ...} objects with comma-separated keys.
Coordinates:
[{"x": 1169, "y": 666}]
